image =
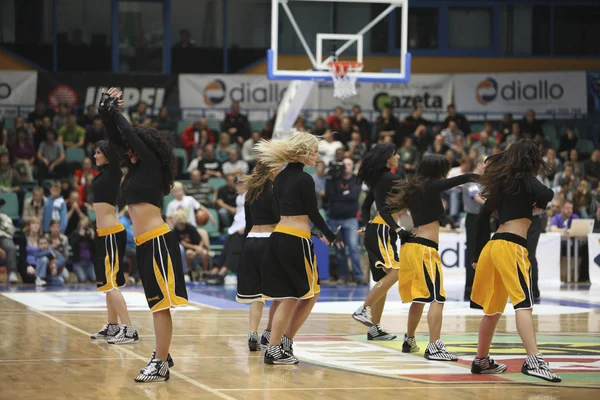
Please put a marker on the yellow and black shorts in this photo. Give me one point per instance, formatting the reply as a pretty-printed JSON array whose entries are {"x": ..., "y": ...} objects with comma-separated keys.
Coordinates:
[
  {"x": 503, "y": 271},
  {"x": 250, "y": 268},
  {"x": 159, "y": 262},
  {"x": 420, "y": 278},
  {"x": 381, "y": 243},
  {"x": 290, "y": 266},
  {"x": 110, "y": 250}
]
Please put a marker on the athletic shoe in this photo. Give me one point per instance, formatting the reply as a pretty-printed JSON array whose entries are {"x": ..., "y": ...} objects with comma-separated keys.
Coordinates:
[
  {"x": 363, "y": 315},
  {"x": 109, "y": 331},
  {"x": 127, "y": 334},
  {"x": 253, "y": 341},
  {"x": 276, "y": 355},
  {"x": 13, "y": 278},
  {"x": 264, "y": 339},
  {"x": 410, "y": 345},
  {"x": 155, "y": 371},
  {"x": 287, "y": 344},
  {"x": 40, "y": 282},
  {"x": 153, "y": 358},
  {"x": 486, "y": 365},
  {"x": 536, "y": 366},
  {"x": 376, "y": 332},
  {"x": 437, "y": 351}
]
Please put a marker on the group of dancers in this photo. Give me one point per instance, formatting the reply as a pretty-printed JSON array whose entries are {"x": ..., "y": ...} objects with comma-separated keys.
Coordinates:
[{"x": 278, "y": 262}]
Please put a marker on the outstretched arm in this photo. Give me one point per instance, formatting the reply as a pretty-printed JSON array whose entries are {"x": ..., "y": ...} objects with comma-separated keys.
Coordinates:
[{"x": 446, "y": 184}]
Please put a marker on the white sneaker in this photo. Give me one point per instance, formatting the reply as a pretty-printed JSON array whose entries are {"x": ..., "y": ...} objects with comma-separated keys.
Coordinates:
[
  {"x": 13, "y": 278},
  {"x": 40, "y": 282}
]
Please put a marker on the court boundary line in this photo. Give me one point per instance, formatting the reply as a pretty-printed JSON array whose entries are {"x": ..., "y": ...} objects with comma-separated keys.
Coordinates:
[{"x": 139, "y": 357}]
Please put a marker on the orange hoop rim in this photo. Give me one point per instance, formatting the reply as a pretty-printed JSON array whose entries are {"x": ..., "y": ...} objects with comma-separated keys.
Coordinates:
[{"x": 341, "y": 68}]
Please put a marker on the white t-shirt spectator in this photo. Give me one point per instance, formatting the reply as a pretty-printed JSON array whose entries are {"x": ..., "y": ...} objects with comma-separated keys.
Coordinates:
[
  {"x": 327, "y": 150},
  {"x": 229, "y": 167},
  {"x": 187, "y": 204},
  {"x": 239, "y": 220}
]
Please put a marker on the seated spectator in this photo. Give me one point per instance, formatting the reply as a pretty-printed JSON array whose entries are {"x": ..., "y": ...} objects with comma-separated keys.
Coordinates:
[
  {"x": 334, "y": 120},
  {"x": 542, "y": 177},
  {"x": 86, "y": 195},
  {"x": 514, "y": 136},
  {"x": 222, "y": 152},
  {"x": 450, "y": 133},
  {"x": 197, "y": 136},
  {"x": 32, "y": 231},
  {"x": 387, "y": 125},
  {"x": 195, "y": 163},
  {"x": 75, "y": 212},
  {"x": 319, "y": 128},
  {"x": 451, "y": 157},
  {"x": 567, "y": 172},
  {"x": 19, "y": 123},
  {"x": 191, "y": 241},
  {"x": 415, "y": 119},
  {"x": 438, "y": 146},
  {"x": 357, "y": 148},
  {"x": 345, "y": 131},
  {"x": 568, "y": 142},
  {"x": 360, "y": 124},
  {"x": 459, "y": 148},
  {"x": 41, "y": 132},
  {"x": 483, "y": 146},
  {"x": 210, "y": 166},
  {"x": 23, "y": 154},
  {"x": 8, "y": 250},
  {"x": 422, "y": 138},
  {"x": 328, "y": 147},
  {"x": 163, "y": 121},
  {"x": 591, "y": 168},
  {"x": 34, "y": 207},
  {"x": 187, "y": 204},
  {"x": 564, "y": 191},
  {"x": 409, "y": 157},
  {"x": 553, "y": 162},
  {"x": 51, "y": 156},
  {"x": 574, "y": 161},
  {"x": 200, "y": 190},
  {"x": 66, "y": 187},
  {"x": 61, "y": 118},
  {"x": 582, "y": 199},
  {"x": 94, "y": 134},
  {"x": 234, "y": 165},
  {"x": 139, "y": 115},
  {"x": 35, "y": 117},
  {"x": 300, "y": 123},
  {"x": 81, "y": 173},
  {"x": 9, "y": 178},
  {"x": 87, "y": 119},
  {"x": 248, "y": 152},
  {"x": 530, "y": 126},
  {"x": 59, "y": 242},
  {"x": 506, "y": 126},
  {"x": 460, "y": 120},
  {"x": 320, "y": 182},
  {"x": 267, "y": 131},
  {"x": 225, "y": 202},
  {"x": 84, "y": 251},
  {"x": 49, "y": 265},
  {"x": 55, "y": 209},
  {"x": 488, "y": 128},
  {"x": 71, "y": 135},
  {"x": 236, "y": 125}
]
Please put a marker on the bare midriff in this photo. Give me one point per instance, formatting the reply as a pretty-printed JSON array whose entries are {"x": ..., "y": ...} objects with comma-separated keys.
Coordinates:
[
  {"x": 430, "y": 231},
  {"x": 144, "y": 217},
  {"x": 517, "y": 227},
  {"x": 105, "y": 215},
  {"x": 296, "y": 221},
  {"x": 263, "y": 228}
]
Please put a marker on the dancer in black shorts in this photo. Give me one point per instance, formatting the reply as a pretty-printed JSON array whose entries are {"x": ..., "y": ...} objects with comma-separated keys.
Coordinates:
[
  {"x": 503, "y": 269},
  {"x": 110, "y": 242},
  {"x": 262, "y": 216},
  {"x": 151, "y": 169},
  {"x": 381, "y": 236},
  {"x": 290, "y": 273}
]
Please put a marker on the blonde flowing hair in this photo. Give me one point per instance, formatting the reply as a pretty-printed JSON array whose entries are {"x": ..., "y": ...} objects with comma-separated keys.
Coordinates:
[
  {"x": 281, "y": 151},
  {"x": 254, "y": 183}
]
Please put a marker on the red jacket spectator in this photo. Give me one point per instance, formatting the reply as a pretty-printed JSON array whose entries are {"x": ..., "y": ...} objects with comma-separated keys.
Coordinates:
[
  {"x": 195, "y": 135},
  {"x": 334, "y": 120}
]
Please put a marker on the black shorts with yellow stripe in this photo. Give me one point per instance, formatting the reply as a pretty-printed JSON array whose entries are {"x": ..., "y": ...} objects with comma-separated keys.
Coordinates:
[
  {"x": 159, "y": 262},
  {"x": 290, "y": 266},
  {"x": 110, "y": 250},
  {"x": 420, "y": 278},
  {"x": 250, "y": 268},
  {"x": 381, "y": 243},
  {"x": 503, "y": 271}
]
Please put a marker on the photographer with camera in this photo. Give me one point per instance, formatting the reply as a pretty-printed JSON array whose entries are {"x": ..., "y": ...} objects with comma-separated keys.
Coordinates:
[{"x": 342, "y": 192}]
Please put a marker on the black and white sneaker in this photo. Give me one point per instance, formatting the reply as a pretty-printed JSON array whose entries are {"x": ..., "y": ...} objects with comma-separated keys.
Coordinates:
[
  {"x": 536, "y": 366},
  {"x": 155, "y": 371},
  {"x": 410, "y": 345},
  {"x": 363, "y": 315},
  {"x": 153, "y": 358},
  {"x": 127, "y": 334},
  {"x": 376, "y": 332},
  {"x": 437, "y": 352},
  {"x": 109, "y": 331},
  {"x": 264, "y": 339},
  {"x": 276, "y": 355},
  {"x": 287, "y": 344},
  {"x": 487, "y": 365},
  {"x": 253, "y": 341}
]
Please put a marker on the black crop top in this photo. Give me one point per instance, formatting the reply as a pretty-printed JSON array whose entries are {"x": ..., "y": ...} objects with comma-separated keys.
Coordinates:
[
  {"x": 144, "y": 180},
  {"x": 378, "y": 194},
  {"x": 263, "y": 211},
  {"x": 428, "y": 208},
  {"x": 105, "y": 186},
  {"x": 295, "y": 193}
]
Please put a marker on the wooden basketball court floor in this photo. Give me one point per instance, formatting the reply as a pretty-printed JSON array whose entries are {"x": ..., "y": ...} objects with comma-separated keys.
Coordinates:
[{"x": 46, "y": 353}]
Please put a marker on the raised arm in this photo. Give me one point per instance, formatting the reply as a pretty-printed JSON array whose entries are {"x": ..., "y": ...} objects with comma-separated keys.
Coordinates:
[
  {"x": 446, "y": 184},
  {"x": 309, "y": 195}
]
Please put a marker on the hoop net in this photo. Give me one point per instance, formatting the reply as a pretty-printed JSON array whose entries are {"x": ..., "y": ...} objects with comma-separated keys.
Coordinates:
[{"x": 344, "y": 78}]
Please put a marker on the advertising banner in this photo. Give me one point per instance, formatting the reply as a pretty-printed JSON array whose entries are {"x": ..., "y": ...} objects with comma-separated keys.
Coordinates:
[
  {"x": 544, "y": 92},
  {"x": 17, "y": 88},
  {"x": 86, "y": 88}
]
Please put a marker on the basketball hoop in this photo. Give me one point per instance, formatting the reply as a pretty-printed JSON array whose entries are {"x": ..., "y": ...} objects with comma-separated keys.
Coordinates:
[{"x": 344, "y": 78}]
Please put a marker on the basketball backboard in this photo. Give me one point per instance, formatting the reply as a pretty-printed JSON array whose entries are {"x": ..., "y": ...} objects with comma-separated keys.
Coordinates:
[{"x": 317, "y": 49}]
